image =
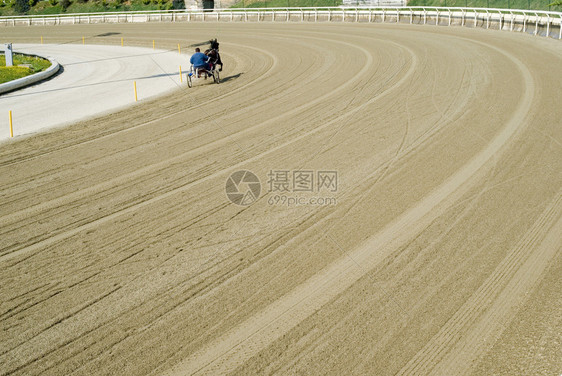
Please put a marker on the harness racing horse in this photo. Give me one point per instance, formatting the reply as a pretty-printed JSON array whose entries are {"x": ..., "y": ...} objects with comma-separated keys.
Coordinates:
[
  {"x": 214, "y": 60},
  {"x": 211, "y": 71},
  {"x": 213, "y": 53}
]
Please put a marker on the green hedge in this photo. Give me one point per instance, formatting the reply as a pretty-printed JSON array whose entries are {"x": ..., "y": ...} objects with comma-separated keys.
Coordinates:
[
  {"x": 9, "y": 7},
  {"x": 36, "y": 64},
  {"x": 287, "y": 3},
  {"x": 504, "y": 4}
]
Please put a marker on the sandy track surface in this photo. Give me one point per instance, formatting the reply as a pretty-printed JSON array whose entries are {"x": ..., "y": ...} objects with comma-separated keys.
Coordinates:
[
  {"x": 120, "y": 253},
  {"x": 95, "y": 80}
]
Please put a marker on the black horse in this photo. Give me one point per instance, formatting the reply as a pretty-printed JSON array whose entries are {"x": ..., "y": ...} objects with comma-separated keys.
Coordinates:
[{"x": 213, "y": 53}]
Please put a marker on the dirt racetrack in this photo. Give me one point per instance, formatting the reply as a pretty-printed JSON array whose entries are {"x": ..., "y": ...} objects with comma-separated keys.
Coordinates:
[{"x": 121, "y": 254}]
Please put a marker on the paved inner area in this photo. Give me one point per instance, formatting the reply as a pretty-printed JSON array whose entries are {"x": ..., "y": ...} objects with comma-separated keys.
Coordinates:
[{"x": 95, "y": 80}]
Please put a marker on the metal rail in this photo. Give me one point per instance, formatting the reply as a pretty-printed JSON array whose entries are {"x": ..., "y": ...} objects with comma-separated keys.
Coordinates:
[{"x": 530, "y": 21}]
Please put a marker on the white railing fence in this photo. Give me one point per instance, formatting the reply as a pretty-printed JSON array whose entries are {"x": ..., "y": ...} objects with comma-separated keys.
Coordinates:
[
  {"x": 374, "y": 3},
  {"x": 534, "y": 22}
]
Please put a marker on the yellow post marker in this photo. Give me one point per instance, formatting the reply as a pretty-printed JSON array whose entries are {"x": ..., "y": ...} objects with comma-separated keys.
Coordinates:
[
  {"x": 181, "y": 78},
  {"x": 153, "y": 44},
  {"x": 135, "y": 84},
  {"x": 41, "y": 39},
  {"x": 83, "y": 40},
  {"x": 121, "y": 42},
  {"x": 11, "y": 126},
  {"x": 179, "y": 48}
]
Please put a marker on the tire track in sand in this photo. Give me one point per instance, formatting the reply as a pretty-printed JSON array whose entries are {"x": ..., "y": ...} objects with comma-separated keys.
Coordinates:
[
  {"x": 249, "y": 338},
  {"x": 481, "y": 319}
]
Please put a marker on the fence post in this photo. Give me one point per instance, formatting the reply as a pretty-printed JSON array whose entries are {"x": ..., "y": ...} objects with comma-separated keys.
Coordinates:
[{"x": 536, "y": 24}]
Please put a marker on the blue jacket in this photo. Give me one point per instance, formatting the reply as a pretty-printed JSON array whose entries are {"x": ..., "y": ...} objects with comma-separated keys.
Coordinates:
[{"x": 199, "y": 59}]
